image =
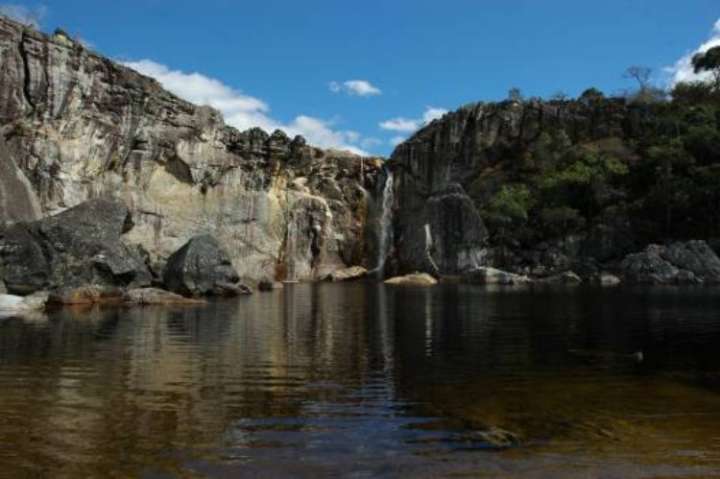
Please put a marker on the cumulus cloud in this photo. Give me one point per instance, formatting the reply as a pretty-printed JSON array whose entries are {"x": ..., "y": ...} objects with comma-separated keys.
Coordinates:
[
  {"x": 27, "y": 15},
  {"x": 682, "y": 70},
  {"x": 245, "y": 111},
  {"x": 355, "y": 88},
  {"x": 408, "y": 125}
]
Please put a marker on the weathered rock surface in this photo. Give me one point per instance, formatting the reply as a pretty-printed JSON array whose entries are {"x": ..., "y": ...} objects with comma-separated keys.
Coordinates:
[
  {"x": 347, "y": 274},
  {"x": 415, "y": 279},
  {"x": 18, "y": 201},
  {"x": 692, "y": 262},
  {"x": 155, "y": 296},
  {"x": 202, "y": 268},
  {"x": 80, "y": 246},
  {"x": 487, "y": 275},
  {"x": 79, "y": 126}
]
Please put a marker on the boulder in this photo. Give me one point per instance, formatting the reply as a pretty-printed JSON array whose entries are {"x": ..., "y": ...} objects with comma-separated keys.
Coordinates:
[
  {"x": 202, "y": 268},
  {"x": 487, "y": 275},
  {"x": 347, "y": 274},
  {"x": 692, "y": 262},
  {"x": 80, "y": 246},
  {"x": 415, "y": 279},
  {"x": 155, "y": 296}
]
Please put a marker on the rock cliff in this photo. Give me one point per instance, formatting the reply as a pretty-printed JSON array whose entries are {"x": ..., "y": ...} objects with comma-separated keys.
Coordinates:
[
  {"x": 448, "y": 174},
  {"x": 76, "y": 126}
]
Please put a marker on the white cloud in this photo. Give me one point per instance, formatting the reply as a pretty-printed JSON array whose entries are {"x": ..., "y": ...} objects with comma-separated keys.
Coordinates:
[
  {"x": 244, "y": 111},
  {"x": 682, "y": 70},
  {"x": 405, "y": 125},
  {"x": 29, "y": 16},
  {"x": 355, "y": 88},
  {"x": 409, "y": 125}
]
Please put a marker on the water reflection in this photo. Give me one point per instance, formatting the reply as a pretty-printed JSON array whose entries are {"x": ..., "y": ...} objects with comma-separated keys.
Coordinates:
[{"x": 318, "y": 379}]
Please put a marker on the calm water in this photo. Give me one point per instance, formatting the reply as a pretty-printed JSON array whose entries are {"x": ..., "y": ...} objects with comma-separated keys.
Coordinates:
[{"x": 363, "y": 380}]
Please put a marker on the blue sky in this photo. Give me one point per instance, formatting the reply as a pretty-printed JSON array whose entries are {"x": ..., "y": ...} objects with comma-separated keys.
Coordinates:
[{"x": 292, "y": 63}]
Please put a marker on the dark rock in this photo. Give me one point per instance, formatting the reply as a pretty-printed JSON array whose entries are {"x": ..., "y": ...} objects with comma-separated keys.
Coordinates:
[
  {"x": 77, "y": 247},
  {"x": 692, "y": 262},
  {"x": 202, "y": 268}
]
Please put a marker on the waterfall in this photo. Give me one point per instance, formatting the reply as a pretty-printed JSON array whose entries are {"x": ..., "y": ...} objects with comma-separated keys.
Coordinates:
[{"x": 386, "y": 217}]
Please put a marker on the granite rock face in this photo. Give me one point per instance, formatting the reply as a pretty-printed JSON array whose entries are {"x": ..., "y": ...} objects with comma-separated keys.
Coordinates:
[
  {"x": 80, "y": 246},
  {"x": 77, "y": 126}
]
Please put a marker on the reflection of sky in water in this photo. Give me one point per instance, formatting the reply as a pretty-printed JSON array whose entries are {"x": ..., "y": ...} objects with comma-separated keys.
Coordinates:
[{"x": 368, "y": 379}]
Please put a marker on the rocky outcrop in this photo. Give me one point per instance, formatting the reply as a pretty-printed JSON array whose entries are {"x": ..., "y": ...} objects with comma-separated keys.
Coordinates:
[
  {"x": 77, "y": 247},
  {"x": 202, "y": 268},
  {"x": 78, "y": 126},
  {"x": 692, "y": 262}
]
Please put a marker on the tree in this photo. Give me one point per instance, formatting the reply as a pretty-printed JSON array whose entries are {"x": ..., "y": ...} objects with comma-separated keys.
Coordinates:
[
  {"x": 708, "y": 61},
  {"x": 514, "y": 94},
  {"x": 640, "y": 74}
]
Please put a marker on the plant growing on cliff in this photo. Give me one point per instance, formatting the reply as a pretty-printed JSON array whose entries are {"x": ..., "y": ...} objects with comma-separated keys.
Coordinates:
[{"x": 708, "y": 61}]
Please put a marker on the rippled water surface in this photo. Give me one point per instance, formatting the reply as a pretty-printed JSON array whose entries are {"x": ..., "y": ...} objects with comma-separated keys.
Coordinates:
[{"x": 363, "y": 380}]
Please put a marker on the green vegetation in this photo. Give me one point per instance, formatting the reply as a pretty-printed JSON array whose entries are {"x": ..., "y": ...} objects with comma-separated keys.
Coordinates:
[{"x": 649, "y": 161}]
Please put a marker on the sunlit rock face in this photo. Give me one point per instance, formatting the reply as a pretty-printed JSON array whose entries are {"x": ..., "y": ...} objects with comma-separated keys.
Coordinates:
[{"x": 79, "y": 126}]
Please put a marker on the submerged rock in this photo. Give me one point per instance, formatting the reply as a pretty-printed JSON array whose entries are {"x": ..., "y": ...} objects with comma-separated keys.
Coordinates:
[
  {"x": 79, "y": 246},
  {"x": 202, "y": 268},
  {"x": 90, "y": 294},
  {"x": 487, "y": 275},
  {"x": 415, "y": 279},
  {"x": 155, "y": 296},
  {"x": 347, "y": 274}
]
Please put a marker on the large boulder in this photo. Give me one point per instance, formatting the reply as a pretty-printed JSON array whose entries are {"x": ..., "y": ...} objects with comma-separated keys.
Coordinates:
[
  {"x": 202, "y": 268},
  {"x": 80, "y": 246},
  {"x": 692, "y": 262},
  {"x": 155, "y": 296}
]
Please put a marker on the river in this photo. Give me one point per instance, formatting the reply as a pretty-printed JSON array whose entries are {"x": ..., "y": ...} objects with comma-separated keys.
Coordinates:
[{"x": 365, "y": 380}]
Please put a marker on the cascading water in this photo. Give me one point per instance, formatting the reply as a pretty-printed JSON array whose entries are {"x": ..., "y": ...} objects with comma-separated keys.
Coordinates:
[{"x": 386, "y": 217}]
